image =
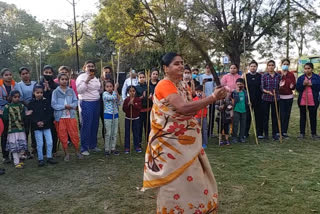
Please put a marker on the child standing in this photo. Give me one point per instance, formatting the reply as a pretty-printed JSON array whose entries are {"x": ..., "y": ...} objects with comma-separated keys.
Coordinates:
[
  {"x": 131, "y": 107},
  {"x": 111, "y": 117},
  {"x": 41, "y": 123},
  {"x": 201, "y": 116},
  {"x": 14, "y": 113},
  {"x": 64, "y": 102},
  {"x": 142, "y": 93},
  {"x": 240, "y": 103},
  {"x": 223, "y": 119}
]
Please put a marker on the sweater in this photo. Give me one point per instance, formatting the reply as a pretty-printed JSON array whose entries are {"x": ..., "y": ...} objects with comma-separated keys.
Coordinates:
[
  {"x": 289, "y": 79},
  {"x": 136, "y": 107},
  {"x": 42, "y": 111},
  {"x": 110, "y": 103},
  {"x": 60, "y": 99},
  {"x": 254, "y": 88},
  {"x": 4, "y": 93},
  {"x": 72, "y": 85},
  {"x": 315, "y": 80},
  {"x": 14, "y": 113},
  {"x": 90, "y": 91},
  {"x": 25, "y": 90}
]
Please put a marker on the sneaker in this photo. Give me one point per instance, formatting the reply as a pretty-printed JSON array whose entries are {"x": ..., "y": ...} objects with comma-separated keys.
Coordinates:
[
  {"x": 204, "y": 146},
  {"x": 115, "y": 152},
  {"x": 221, "y": 143},
  {"x": 6, "y": 160},
  {"x": 19, "y": 166},
  {"x": 2, "y": 171},
  {"x": 96, "y": 149},
  {"x": 227, "y": 143},
  {"x": 51, "y": 161},
  {"x": 301, "y": 136},
  {"x": 66, "y": 158},
  {"x": 260, "y": 137},
  {"x": 275, "y": 137},
  {"x": 107, "y": 154},
  {"x": 285, "y": 135},
  {"x": 315, "y": 137},
  {"x": 126, "y": 151},
  {"x": 138, "y": 150},
  {"x": 242, "y": 140},
  {"x": 79, "y": 156},
  {"x": 41, "y": 163},
  {"x": 85, "y": 153},
  {"x": 234, "y": 140}
]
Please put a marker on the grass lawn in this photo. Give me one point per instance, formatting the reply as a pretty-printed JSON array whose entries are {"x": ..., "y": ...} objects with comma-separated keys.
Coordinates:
[{"x": 269, "y": 178}]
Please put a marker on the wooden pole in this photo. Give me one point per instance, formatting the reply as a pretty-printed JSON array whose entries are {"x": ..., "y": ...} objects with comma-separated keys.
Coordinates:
[
  {"x": 307, "y": 110},
  {"x": 277, "y": 113},
  {"x": 148, "y": 103}
]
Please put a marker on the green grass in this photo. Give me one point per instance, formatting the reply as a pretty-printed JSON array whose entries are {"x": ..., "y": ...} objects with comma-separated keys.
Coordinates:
[{"x": 269, "y": 178}]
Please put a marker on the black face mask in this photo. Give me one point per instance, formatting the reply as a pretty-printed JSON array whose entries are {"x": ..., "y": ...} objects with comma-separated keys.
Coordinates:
[
  {"x": 47, "y": 77},
  {"x": 241, "y": 87},
  {"x": 108, "y": 76}
]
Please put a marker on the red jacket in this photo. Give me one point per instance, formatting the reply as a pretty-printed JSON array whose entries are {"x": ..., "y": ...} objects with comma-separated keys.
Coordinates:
[
  {"x": 136, "y": 107},
  {"x": 202, "y": 111},
  {"x": 289, "y": 78}
]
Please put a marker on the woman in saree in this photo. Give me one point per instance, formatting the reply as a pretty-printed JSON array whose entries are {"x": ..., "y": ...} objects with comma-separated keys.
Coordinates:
[{"x": 175, "y": 161}]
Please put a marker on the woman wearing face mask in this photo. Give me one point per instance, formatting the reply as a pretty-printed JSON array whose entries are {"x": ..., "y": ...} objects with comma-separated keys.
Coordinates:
[
  {"x": 287, "y": 85},
  {"x": 48, "y": 84},
  {"x": 195, "y": 76},
  {"x": 229, "y": 80},
  {"x": 7, "y": 84}
]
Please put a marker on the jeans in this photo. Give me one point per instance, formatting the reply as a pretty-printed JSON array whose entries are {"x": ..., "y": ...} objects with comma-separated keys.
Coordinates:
[
  {"x": 285, "y": 112},
  {"x": 312, "y": 117},
  {"x": 143, "y": 126},
  {"x": 266, "y": 111},
  {"x": 39, "y": 138},
  {"x": 239, "y": 119},
  {"x": 111, "y": 131},
  {"x": 204, "y": 130},
  {"x": 258, "y": 115},
  {"x": 135, "y": 132}
]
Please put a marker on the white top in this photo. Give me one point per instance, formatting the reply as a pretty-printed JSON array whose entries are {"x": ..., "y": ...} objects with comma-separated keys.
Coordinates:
[{"x": 126, "y": 84}]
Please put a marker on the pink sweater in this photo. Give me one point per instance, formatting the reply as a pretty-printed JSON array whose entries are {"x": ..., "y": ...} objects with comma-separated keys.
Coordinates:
[
  {"x": 229, "y": 81},
  {"x": 90, "y": 91}
]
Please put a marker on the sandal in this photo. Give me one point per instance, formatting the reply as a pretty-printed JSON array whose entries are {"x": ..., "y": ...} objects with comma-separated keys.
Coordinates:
[{"x": 19, "y": 166}]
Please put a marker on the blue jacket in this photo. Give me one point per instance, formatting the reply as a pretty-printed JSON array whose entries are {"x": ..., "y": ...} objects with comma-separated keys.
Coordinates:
[
  {"x": 58, "y": 102},
  {"x": 315, "y": 80}
]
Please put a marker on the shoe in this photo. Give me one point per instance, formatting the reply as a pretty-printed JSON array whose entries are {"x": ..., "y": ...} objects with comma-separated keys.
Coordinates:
[
  {"x": 51, "y": 161},
  {"x": 204, "y": 146},
  {"x": 276, "y": 137},
  {"x": 260, "y": 137},
  {"x": 85, "y": 153},
  {"x": 301, "y": 136},
  {"x": 234, "y": 140},
  {"x": 41, "y": 163},
  {"x": 115, "y": 152},
  {"x": 19, "y": 166},
  {"x": 79, "y": 156},
  {"x": 126, "y": 151},
  {"x": 227, "y": 143},
  {"x": 221, "y": 143},
  {"x": 6, "y": 160},
  {"x": 96, "y": 149},
  {"x": 285, "y": 135},
  {"x": 107, "y": 154},
  {"x": 315, "y": 137},
  {"x": 2, "y": 171},
  {"x": 66, "y": 158},
  {"x": 242, "y": 140},
  {"x": 138, "y": 150}
]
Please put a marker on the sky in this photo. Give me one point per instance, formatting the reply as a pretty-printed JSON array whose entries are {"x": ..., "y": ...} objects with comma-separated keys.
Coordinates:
[{"x": 55, "y": 9}]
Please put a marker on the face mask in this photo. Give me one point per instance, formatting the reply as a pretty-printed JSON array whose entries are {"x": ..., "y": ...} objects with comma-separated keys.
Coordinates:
[
  {"x": 47, "y": 77},
  {"x": 194, "y": 76},
  {"x": 199, "y": 94},
  {"x": 186, "y": 76},
  {"x": 108, "y": 76},
  {"x": 285, "y": 67},
  {"x": 241, "y": 87}
]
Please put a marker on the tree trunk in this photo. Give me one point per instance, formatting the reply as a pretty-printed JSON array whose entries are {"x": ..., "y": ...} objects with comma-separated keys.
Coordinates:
[{"x": 235, "y": 57}]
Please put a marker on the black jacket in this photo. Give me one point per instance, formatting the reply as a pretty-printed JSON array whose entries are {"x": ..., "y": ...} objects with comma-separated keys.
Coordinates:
[
  {"x": 52, "y": 85},
  {"x": 42, "y": 111}
]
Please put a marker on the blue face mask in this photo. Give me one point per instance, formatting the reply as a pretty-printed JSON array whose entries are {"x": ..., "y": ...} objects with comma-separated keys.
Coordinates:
[
  {"x": 285, "y": 67},
  {"x": 194, "y": 76}
]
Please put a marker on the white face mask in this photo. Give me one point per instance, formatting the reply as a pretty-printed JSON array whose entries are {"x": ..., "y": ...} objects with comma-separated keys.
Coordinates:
[{"x": 187, "y": 76}]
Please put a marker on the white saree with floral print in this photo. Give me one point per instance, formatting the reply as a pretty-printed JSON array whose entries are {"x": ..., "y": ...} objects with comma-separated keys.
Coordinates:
[{"x": 175, "y": 161}]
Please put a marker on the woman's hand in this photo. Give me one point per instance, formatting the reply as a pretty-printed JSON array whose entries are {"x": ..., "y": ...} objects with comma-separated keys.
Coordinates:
[
  {"x": 220, "y": 93},
  {"x": 90, "y": 77}
]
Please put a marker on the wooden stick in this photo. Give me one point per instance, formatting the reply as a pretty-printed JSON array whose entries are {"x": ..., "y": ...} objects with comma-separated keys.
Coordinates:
[
  {"x": 130, "y": 116},
  {"x": 201, "y": 121},
  {"x": 307, "y": 111},
  {"x": 220, "y": 122},
  {"x": 251, "y": 111},
  {"x": 148, "y": 94},
  {"x": 277, "y": 113}
]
